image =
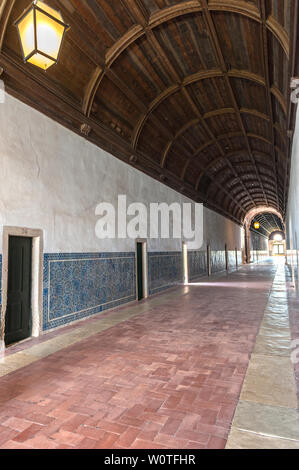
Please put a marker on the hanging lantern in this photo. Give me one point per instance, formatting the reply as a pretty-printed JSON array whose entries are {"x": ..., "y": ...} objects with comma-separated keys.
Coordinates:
[
  {"x": 41, "y": 31},
  {"x": 256, "y": 225}
]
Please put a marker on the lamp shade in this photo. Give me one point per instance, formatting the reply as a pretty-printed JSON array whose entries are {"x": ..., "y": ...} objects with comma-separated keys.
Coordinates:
[{"x": 41, "y": 31}]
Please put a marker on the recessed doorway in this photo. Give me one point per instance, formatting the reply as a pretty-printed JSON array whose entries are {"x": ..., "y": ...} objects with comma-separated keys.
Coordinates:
[
  {"x": 22, "y": 285},
  {"x": 18, "y": 320}
]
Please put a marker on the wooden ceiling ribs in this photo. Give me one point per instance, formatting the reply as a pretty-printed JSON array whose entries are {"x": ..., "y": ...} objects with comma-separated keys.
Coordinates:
[
  {"x": 221, "y": 59},
  {"x": 268, "y": 91},
  {"x": 269, "y": 223},
  {"x": 293, "y": 72}
]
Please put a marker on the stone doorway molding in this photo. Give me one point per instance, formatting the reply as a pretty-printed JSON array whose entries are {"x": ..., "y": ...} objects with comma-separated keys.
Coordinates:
[{"x": 36, "y": 277}]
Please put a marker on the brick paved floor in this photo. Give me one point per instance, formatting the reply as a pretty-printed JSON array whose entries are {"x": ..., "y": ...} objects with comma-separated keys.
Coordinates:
[{"x": 168, "y": 378}]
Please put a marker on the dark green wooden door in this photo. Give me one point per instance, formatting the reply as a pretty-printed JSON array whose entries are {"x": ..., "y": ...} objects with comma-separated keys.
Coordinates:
[
  {"x": 140, "y": 270},
  {"x": 18, "y": 312}
]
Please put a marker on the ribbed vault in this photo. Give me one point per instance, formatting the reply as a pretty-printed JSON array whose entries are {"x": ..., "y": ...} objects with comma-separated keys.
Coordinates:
[{"x": 194, "y": 93}]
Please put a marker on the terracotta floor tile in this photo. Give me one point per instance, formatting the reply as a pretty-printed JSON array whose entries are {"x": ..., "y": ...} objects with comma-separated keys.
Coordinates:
[{"x": 29, "y": 433}]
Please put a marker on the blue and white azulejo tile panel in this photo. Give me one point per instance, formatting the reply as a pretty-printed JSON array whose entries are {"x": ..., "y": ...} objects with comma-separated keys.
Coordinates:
[
  {"x": 79, "y": 285},
  {"x": 165, "y": 270},
  {"x": 197, "y": 264}
]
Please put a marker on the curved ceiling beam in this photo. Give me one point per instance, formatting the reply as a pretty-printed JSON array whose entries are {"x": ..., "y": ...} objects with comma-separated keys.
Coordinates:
[
  {"x": 255, "y": 113},
  {"x": 261, "y": 210},
  {"x": 231, "y": 154},
  {"x": 185, "y": 128},
  {"x": 252, "y": 136},
  {"x": 278, "y": 31},
  {"x": 219, "y": 138},
  {"x": 241, "y": 7},
  {"x": 244, "y": 198},
  {"x": 230, "y": 182},
  {"x": 212, "y": 163},
  {"x": 247, "y": 75},
  {"x": 214, "y": 113},
  {"x": 270, "y": 194},
  {"x": 252, "y": 191},
  {"x": 213, "y": 73},
  {"x": 189, "y": 160},
  {"x": 156, "y": 19},
  {"x": 259, "y": 137},
  {"x": 280, "y": 98},
  {"x": 220, "y": 111},
  {"x": 252, "y": 12},
  {"x": 250, "y": 181}
]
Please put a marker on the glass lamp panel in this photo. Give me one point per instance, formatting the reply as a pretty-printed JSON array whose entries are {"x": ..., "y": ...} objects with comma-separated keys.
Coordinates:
[
  {"x": 41, "y": 61},
  {"x": 49, "y": 35},
  {"x": 49, "y": 10},
  {"x": 26, "y": 32}
]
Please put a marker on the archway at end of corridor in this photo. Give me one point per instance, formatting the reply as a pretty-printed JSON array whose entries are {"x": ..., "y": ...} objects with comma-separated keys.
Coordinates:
[{"x": 264, "y": 234}]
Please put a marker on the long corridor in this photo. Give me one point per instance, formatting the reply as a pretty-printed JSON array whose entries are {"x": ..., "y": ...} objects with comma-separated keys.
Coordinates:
[{"x": 165, "y": 373}]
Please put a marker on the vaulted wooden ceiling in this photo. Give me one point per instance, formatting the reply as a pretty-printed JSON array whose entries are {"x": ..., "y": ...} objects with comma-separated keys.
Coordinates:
[
  {"x": 269, "y": 223},
  {"x": 195, "y": 93}
]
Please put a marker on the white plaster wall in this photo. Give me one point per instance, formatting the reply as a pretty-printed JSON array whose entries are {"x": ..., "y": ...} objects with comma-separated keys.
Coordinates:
[
  {"x": 293, "y": 203},
  {"x": 52, "y": 179}
]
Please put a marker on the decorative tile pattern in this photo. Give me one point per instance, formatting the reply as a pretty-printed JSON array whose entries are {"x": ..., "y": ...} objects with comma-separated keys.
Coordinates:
[
  {"x": 232, "y": 260},
  {"x": 165, "y": 270},
  {"x": 218, "y": 262},
  {"x": 80, "y": 285},
  {"x": 197, "y": 264}
]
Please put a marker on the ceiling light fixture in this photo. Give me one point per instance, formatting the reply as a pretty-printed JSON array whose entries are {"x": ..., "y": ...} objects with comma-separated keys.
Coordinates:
[{"x": 41, "y": 31}]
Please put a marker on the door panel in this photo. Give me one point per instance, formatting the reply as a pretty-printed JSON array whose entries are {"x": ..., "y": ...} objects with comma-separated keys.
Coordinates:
[
  {"x": 140, "y": 270},
  {"x": 18, "y": 312}
]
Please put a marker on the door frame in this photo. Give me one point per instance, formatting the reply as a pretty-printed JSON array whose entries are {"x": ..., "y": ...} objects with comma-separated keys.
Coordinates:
[
  {"x": 36, "y": 277},
  {"x": 144, "y": 267}
]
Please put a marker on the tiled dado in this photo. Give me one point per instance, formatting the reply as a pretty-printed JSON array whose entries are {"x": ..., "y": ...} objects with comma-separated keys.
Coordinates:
[
  {"x": 76, "y": 285},
  {"x": 218, "y": 261},
  {"x": 165, "y": 270},
  {"x": 197, "y": 264},
  {"x": 80, "y": 285}
]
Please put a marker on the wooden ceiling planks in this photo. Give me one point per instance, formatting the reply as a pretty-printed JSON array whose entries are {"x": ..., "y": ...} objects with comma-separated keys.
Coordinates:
[
  {"x": 269, "y": 223},
  {"x": 195, "y": 92}
]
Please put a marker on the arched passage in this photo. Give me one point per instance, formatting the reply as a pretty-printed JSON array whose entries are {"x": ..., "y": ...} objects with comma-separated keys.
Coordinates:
[{"x": 270, "y": 221}]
